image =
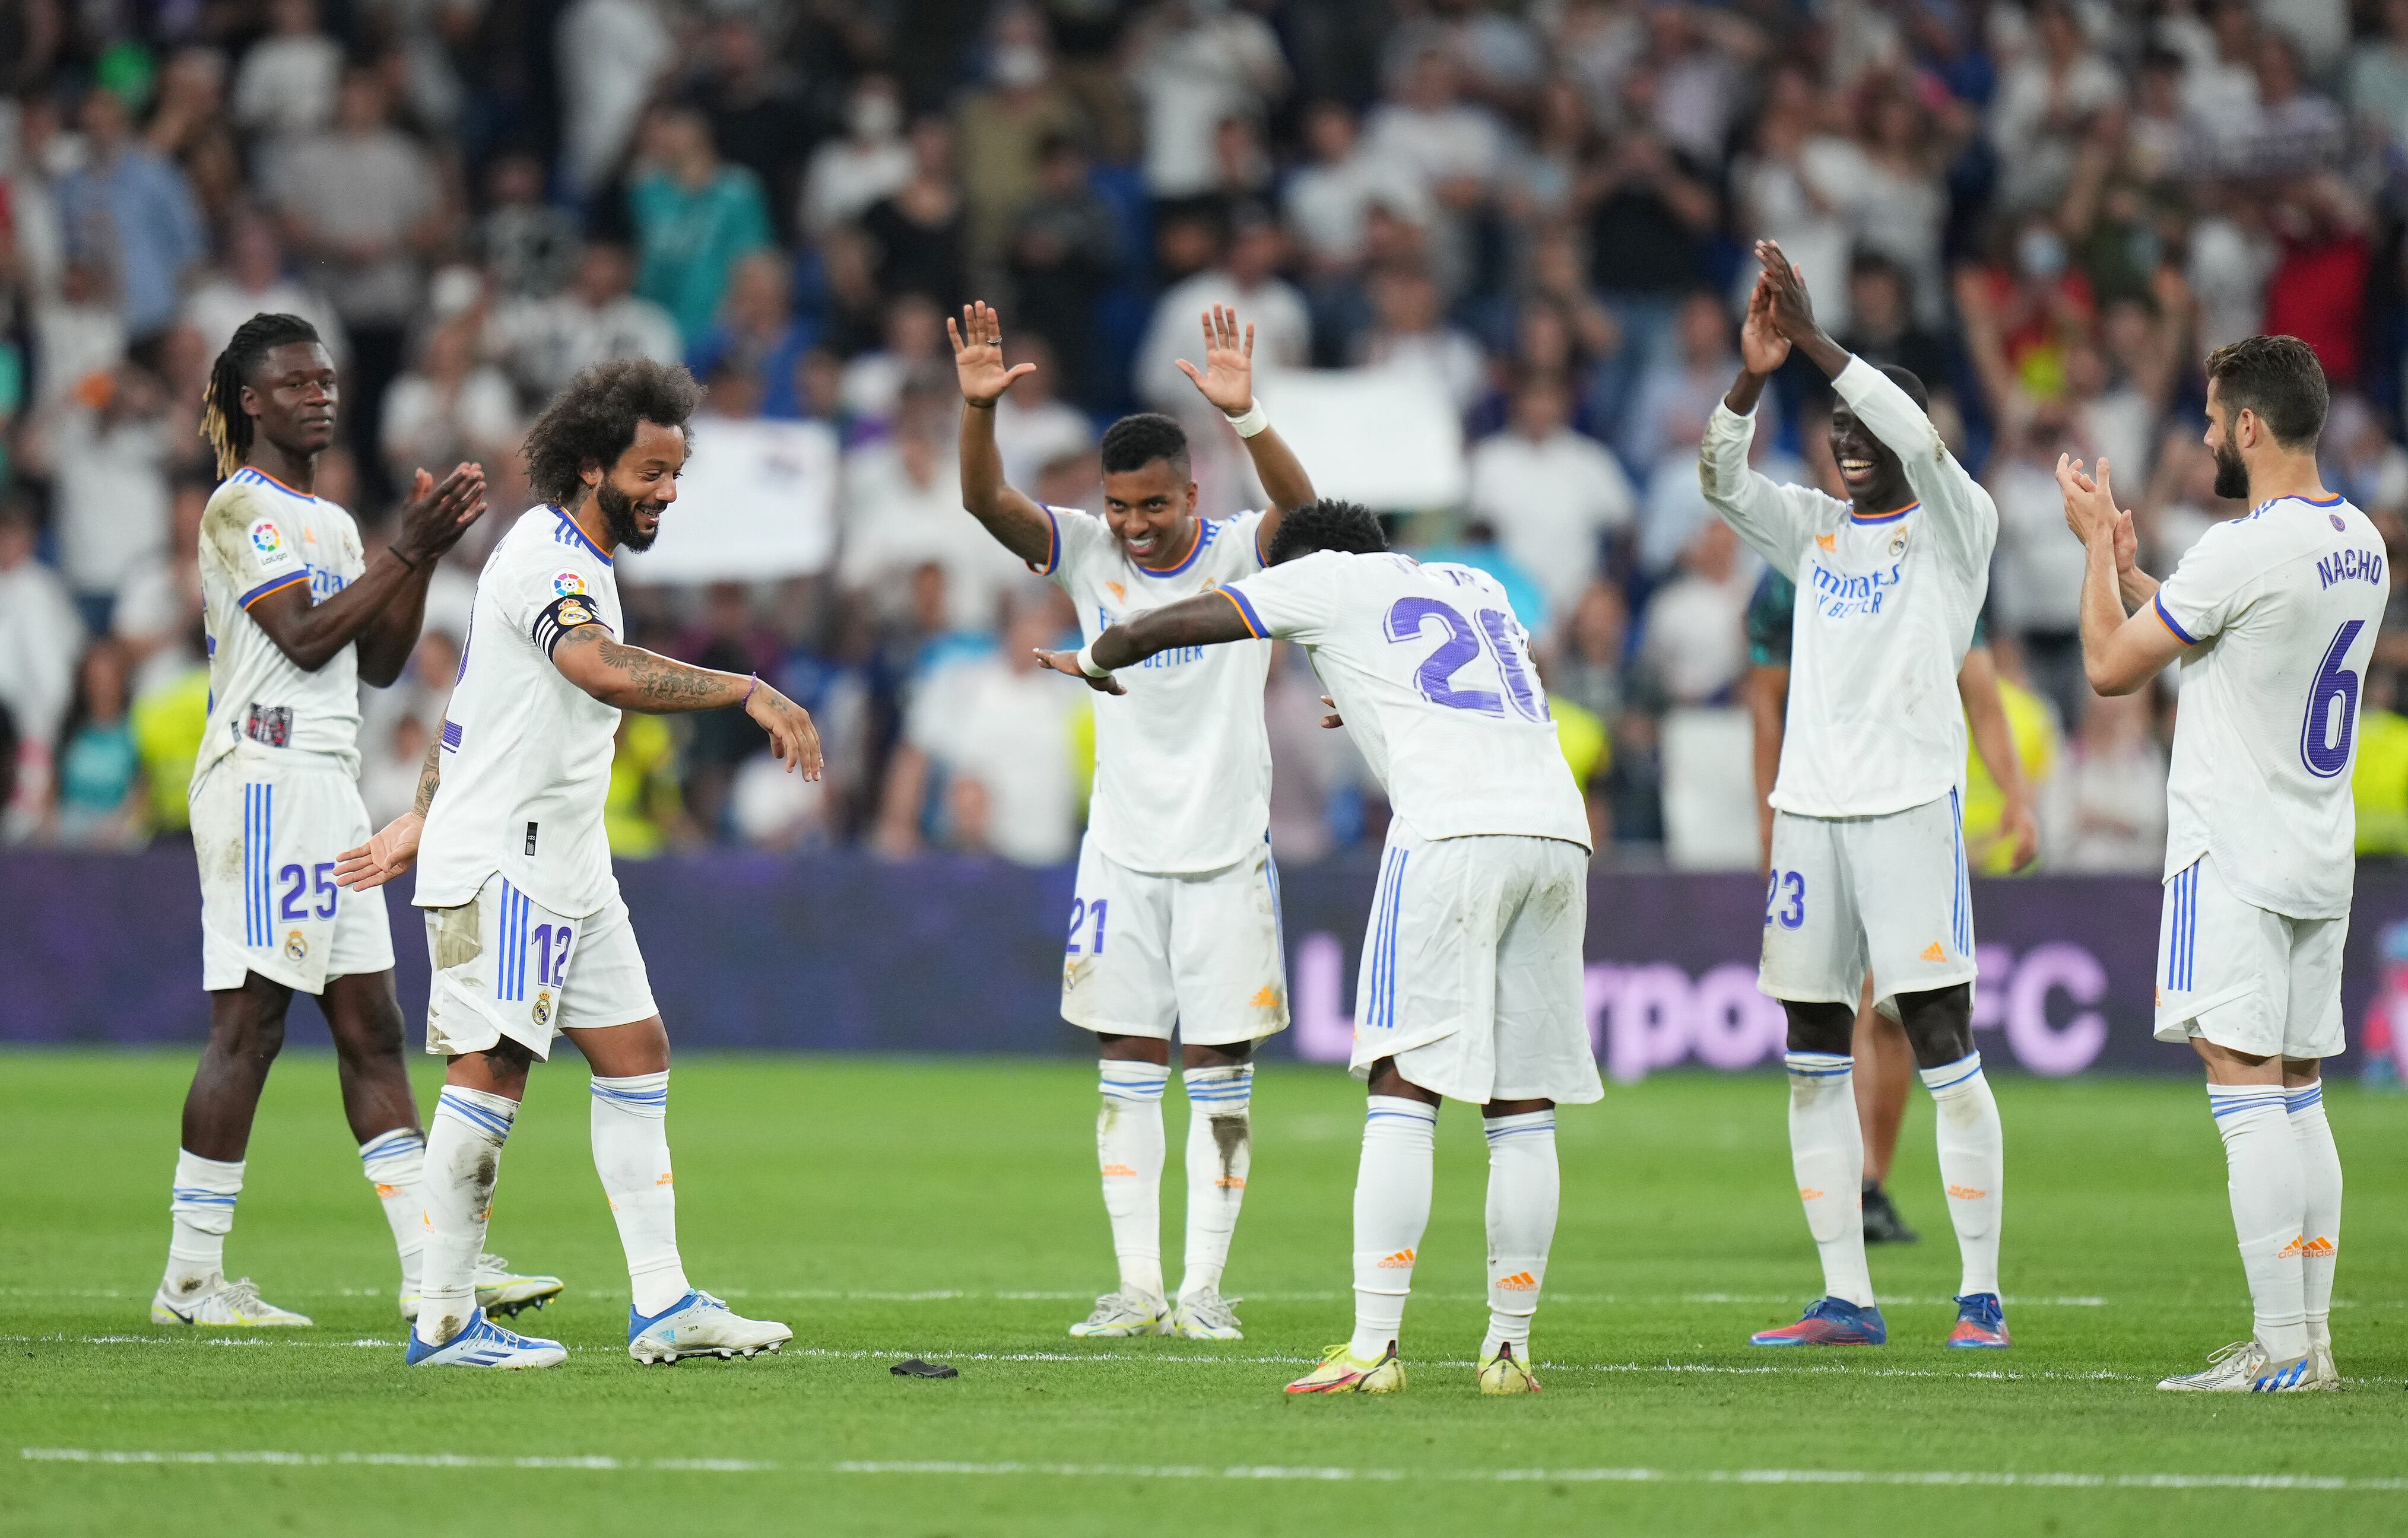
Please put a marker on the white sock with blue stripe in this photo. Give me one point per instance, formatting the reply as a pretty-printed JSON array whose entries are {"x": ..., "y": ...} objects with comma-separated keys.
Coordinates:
[
  {"x": 1525, "y": 1190},
  {"x": 463, "y": 1162},
  {"x": 2270, "y": 1203},
  {"x": 1826, "y": 1153},
  {"x": 201, "y": 1209},
  {"x": 1392, "y": 1207},
  {"x": 395, "y": 1163},
  {"x": 2320, "y": 1173},
  {"x": 631, "y": 1154},
  {"x": 1220, "y": 1150},
  {"x": 1129, "y": 1151},
  {"x": 1972, "y": 1165}
]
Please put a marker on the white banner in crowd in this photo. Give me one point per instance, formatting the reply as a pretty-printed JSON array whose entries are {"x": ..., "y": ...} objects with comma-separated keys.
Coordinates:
[
  {"x": 758, "y": 502},
  {"x": 1386, "y": 437}
]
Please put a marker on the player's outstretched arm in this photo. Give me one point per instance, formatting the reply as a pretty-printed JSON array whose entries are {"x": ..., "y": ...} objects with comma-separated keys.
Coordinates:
[
  {"x": 310, "y": 634},
  {"x": 1775, "y": 521},
  {"x": 1206, "y": 619},
  {"x": 1228, "y": 380},
  {"x": 394, "y": 847},
  {"x": 632, "y": 679},
  {"x": 1018, "y": 523}
]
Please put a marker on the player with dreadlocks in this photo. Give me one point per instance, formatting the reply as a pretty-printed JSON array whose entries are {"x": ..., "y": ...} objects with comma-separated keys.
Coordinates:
[{"x": 296, "y": 615}]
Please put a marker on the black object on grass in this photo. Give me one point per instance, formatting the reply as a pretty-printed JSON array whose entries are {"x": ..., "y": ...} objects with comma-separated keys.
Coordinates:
[{"x": 916, "y": 1368}]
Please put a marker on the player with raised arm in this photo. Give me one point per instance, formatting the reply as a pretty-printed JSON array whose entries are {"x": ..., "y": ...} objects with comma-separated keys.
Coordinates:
[
  {"x": 2273, "y": 618},
  {"x": 529, "y": 936},
  {"x": 296, "y": 617},
  {"x": 1869, "y": 872},
  {"x": 1472, "y": 982},
  {"x": 1175, "y": 918}
]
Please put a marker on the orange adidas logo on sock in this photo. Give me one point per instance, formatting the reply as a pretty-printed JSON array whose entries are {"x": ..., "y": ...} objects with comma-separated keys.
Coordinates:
[
  {"x": 666, "y": 1179},
  {"x": 1111, "y": 1170},
  {"x": 1965, "y": 1193},
  {"x": 1933, "y": 952},
  {"x": 1808, "y": 1193},
  {"x": 1231, "y": 1182},
  {"x": 2319, "y": 1249},
  {"x": 2297, "y": 1248},
  {"x": 385, "y": 1192},
  {"x": 1400, "y": 1261},
  {"x": 1521, "y": 1281}
]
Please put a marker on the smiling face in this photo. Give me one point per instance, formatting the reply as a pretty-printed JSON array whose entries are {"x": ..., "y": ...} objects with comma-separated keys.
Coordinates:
[
  {"x": 639, "y": 486},
  {"x": 294, "y": 395},
  {"x": 1151, "y": 511},
  {"x": 1874, "y": 479}
]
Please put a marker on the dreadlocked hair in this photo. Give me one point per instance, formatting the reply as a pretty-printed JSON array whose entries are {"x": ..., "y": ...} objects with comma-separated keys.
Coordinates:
[
  {"x": 593, "y": 420},
  {"x": 223, "y": 421}
]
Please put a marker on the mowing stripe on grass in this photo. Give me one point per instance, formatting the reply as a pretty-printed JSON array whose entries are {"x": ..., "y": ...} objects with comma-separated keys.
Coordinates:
[{"x": 598, "y": 1464}]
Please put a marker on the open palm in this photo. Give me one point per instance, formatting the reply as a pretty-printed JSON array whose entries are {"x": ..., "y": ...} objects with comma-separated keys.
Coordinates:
[
  {"x": 1227, "y": 376},
  {"x": 977, "y": 355}
]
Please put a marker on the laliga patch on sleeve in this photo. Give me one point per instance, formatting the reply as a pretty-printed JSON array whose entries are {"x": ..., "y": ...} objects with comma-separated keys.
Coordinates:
[
  {"x": 561, "y": 615},
  {"x": 916, "y": 1368},
  {"x": 267, "y": 539}
]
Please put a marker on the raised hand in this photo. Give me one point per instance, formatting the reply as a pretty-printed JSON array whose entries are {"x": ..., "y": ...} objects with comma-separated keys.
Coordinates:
[
  {"x": 793, "y": 738},
  {"x": 1761, "y": 346},
  {"x": 1790, "y": 310},
  {"x": 977, "y": 355},
  {"x": 1227, "y": 377},
  {"x": 392, "y": 850},
  {"x": 435, "y": 516},
  {"x": 1068, "y": 661}
]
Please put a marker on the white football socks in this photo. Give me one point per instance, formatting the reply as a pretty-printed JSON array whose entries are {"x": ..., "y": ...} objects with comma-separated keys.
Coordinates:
[
  {"x": 2320, "y": 1173},
  {"x": 1129, "y": 1151},
  {"x": 1972, "y": 1165},
  {"x": 201, "y": 1211},
  {"x": 631, "y": 1154},
  {"x": 1220, "y": 1150},
  {"x": 2270, "y": 1203},
  {"x": 1525, "y": 1189},
  {"x": 1392, "y": 1205},
  {"x": 464, "y": 1161},
  {"x": 394, "y": 1164},
  {"x": 1826, "y": 1152}
]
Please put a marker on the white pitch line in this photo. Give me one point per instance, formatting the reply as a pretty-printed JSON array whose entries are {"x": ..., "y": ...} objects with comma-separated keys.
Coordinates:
[
  {"x": 1080, "y": 1295},
  {"x": 600, "y": 1463}
]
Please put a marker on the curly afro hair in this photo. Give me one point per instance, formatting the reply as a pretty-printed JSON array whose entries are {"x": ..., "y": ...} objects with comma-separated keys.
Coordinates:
[
  {"x": 1135, "y": 442},
  {"x": 593, "y": 420},
  {"x": 1327, "y": 525}
]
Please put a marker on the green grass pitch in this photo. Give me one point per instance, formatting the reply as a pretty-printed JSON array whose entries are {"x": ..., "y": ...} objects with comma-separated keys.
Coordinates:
[{"x": 889, "y": 1208}]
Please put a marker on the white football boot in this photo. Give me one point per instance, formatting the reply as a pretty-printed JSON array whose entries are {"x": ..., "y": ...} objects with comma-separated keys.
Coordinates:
[
  {"x": 230, "y": 1304},
  {"x": 699, "y": 1325},
  {"x": 1205, "y": 1317},
  {"x": 485, "y": 1343},
  {"x": 499, "y": 1289},
  {"x": 2323, "y": 1377},
  {"x": 1121, "y": 1315},
  {"x": 2244, "y": 1367}
]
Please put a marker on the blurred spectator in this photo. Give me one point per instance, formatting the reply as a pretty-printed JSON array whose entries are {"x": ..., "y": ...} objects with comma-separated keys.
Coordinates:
[
  {"x": 869, "y": 163},
  {"x": 903, "y": 503},
  {"x": 695, "y": 218},
  {"x": 758, "y": 332},
  {"x": 158, "y": 622},
  {"x": 644, "y": 812},
  {"x": 1678, "y": 392},
  {"x": 79, "y": 334},
  {"x": 1062, "y": 253},
  {"x": 2039, "y": 565},
  {"x": 1247, "y": 279},
  {"x": 1882, "y": 325},
  {"x": 1478, "y": 549},
  {"x": 1005, "y": 126},
  {"x": 1195, "y": 65},
  {"x": 1692, "y": 640},
  {"x": 917, "y": 232},
  {"x": 1329, "y": 198},
  {"x": 450, "y": 408},
  {"x": 2045, "y": 101},
  {"x": 131, "y": 211},
  {"x": 754, "y": 104},
  {"x": 1646, "y": 246},
  {"x": 544, "y": 343},
  {"x": 1457, "y": 150},
  {"x": 105, "y": 450},
  {"x": 1552, "y": 494},
  {"x": 2360, "y": 460},
  {"x": 40, "y": 637},
  {"x": 1032, "y": 429},
  {"x": 99, "y": 797},
  {"x": 252, "y": 281},
  {"x": 2106, "y": 810},
  {"x": 914, "y": 348},
  {"x": 286, "y": 86},
  {"x": 530, "y": 247},
  {"x": 1795, "y": 187},
  {"x": 609, "y": 53}
]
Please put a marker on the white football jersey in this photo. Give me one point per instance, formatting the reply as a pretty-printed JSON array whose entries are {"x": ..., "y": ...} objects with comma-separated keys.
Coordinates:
[
  {"x": 1885, "y": 607},
  {"x": 1432, "y": 675},
  {"x": 1183, "y": 759},
  {"x": 2280, "y": 609},
  {"x": 260, "y": 536},
  {"x": 526, "y": 754}
]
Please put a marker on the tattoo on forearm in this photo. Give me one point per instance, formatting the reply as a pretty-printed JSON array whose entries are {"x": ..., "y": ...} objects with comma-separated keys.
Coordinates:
[
  {"x": 659, "y": 680},
  {"x": 430, "y": 777}
]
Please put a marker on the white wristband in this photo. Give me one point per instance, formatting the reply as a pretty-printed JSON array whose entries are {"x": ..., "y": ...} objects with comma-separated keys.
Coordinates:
[
  {"x": 1088, "y": 662},
  {"x": 1255, "y": 419}
]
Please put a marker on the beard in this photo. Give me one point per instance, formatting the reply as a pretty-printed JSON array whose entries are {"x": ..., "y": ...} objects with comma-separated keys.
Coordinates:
[
  {"x": 619, "y": 517},
  {"x": 2232, "y": 476}
]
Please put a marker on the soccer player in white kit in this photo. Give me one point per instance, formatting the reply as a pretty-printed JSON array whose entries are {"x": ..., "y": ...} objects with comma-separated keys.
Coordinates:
[
  {"x": 1175, "y": 916},
  {"x": 1471, "y": 983},
  {"x": 2273, "y": 618},
  {"x": 529, "y": 937},
  {"x": 1869, "y": 871},
  {"x": 296, "y": 617}
]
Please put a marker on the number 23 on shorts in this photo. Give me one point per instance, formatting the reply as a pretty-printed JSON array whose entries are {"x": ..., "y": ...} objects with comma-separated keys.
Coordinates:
[{"x": 1788, "y": 915}]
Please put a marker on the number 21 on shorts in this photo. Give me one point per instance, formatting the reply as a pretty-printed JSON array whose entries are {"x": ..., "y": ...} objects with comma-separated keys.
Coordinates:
[{"x": 1081, "y": 911}]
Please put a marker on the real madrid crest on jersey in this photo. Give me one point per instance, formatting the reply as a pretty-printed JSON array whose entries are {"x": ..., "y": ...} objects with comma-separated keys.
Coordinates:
[
  {"x": 297, "y": 949},
  {"x": 1898, "y": 543},
  {"x": 267, "y": 538},
  {"x": 575, "y": 611},
  {"x": 542, "y": 1010}
]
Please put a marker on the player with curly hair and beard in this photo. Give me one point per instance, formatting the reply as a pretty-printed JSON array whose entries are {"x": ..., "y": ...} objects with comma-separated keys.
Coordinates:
[{"x": 529, "y": 937}]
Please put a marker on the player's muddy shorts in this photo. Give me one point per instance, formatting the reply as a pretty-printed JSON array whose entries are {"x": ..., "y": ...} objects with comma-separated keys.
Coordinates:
[{"x": 505, "y": 967}]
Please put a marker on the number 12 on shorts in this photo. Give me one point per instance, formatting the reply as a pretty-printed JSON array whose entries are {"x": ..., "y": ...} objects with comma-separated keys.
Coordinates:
[
  {"x": 1081, "y": 911},
  {"x": 1788, "y": 915}
]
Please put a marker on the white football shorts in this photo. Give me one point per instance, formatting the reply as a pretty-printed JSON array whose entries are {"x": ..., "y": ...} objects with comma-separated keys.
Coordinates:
[
  {"x": 1148, "y": 951},
  {"x": 267, "y": 826},
  {"x": 505, "y": 967},
  {"x": 1884, "y": 894},
  {"x": 2243, "y": 978},
  {"x": 1472, "y": 976}
]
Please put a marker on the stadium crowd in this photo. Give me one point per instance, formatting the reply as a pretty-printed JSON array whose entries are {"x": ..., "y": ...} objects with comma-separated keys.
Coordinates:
[{"x": 2049, "y": 211}]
